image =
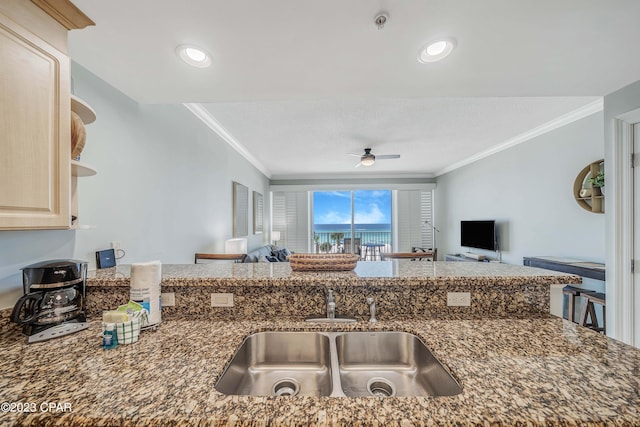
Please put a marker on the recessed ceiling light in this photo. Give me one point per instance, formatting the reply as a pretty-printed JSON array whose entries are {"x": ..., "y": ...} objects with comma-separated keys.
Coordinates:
[
  {"x": 193, "y": 55},
  {"x": 436, "y": 50}
]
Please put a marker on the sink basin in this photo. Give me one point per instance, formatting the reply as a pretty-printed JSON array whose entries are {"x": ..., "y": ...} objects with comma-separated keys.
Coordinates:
[
  {"x": 336, "y": 364},
  {"x": 280, "y": 364},
  {"x": 390, "y": 364}
]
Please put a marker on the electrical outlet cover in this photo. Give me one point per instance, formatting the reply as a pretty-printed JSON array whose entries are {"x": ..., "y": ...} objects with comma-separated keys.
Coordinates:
[
  {"x": 168, "y": 299},
  {"x": 459, "y": 299},
  {"x": 221, "y": 300}
]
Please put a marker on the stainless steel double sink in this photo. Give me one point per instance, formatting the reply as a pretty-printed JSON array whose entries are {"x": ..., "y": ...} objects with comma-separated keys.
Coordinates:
[{"x": 336, "y": 364}]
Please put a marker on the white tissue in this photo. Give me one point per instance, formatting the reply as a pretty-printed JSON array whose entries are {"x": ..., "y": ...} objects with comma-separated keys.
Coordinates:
[{"x": 145, "y": 288}]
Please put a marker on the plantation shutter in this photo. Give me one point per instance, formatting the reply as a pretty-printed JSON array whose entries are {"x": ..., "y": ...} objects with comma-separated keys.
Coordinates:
[
  {"x": 415, "y": 208},
  {"x": 291, "y": 219}
]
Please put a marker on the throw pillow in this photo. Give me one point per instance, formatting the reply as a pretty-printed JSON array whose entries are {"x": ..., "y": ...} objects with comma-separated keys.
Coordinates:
[{"x": 282, "y": 254}]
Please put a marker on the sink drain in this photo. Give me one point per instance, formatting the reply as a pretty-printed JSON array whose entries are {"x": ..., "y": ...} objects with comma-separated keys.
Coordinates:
[
  {"x": 286, "y": 387},
  {"x": 381, "y": 387}
]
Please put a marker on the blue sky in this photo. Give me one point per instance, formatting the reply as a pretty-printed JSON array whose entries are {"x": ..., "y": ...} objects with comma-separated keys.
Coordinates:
[{"x": 334, "y": 207}]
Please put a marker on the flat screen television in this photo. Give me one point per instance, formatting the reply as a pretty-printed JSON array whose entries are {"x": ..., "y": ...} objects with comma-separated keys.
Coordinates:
[{"x": 478, "y": 234}]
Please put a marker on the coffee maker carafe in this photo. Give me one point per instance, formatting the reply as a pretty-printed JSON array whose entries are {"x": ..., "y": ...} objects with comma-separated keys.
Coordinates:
[{"x": 53, "y": 304}]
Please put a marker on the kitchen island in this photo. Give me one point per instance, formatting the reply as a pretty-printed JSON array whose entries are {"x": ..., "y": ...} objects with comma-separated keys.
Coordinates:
[
  {"x": 401, "y": 288},
  {"x": 514, "y": 368}
]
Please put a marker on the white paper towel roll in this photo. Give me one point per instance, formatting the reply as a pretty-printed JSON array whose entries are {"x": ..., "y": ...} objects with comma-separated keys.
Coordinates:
[{"x": 145, "y": 288}]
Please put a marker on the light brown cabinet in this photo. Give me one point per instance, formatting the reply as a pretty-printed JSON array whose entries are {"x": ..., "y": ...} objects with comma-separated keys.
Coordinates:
[{"x": 35, "y": 167}]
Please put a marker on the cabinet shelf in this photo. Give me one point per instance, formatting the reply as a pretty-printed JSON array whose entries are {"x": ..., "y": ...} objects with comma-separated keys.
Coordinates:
[
  {"x": 81, "y": 169},
  {"x": 82, "y": 227},
  {"x": 78, "y": 169},
  {"x": 83, "y": 110}
]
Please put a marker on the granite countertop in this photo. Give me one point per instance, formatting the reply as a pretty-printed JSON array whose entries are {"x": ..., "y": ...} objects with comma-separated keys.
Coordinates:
[
  {"x": 406, "y": 272},
  {"x": 535, "y": 371}
]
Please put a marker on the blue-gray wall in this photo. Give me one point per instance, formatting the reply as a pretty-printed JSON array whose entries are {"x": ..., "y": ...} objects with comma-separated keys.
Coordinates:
[
  {"x": 163, "y": 189},
  {"x": 528, "y": 190}
]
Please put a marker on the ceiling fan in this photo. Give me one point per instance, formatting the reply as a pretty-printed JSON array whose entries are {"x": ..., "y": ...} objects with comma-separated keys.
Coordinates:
[{"x": 368, "y": 158}]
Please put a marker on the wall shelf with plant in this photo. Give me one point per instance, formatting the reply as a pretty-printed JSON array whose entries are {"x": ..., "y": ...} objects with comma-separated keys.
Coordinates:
[{"x": 588, "y": 188}]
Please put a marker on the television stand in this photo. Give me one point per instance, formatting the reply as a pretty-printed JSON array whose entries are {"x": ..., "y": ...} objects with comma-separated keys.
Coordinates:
[{"x": 462, "y": 258}]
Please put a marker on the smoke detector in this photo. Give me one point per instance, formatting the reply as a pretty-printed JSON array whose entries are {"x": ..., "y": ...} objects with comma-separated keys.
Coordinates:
[{"x": 380, "y": 20}]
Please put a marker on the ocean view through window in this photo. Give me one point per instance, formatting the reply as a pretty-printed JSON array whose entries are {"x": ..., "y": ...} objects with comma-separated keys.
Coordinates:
[{"x": 352, "y": 222}]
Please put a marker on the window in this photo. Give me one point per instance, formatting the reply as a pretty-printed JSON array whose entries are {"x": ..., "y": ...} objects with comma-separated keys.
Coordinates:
[
  {"x": 352, "y": 221},
  {"x": 359, "y": 221}
]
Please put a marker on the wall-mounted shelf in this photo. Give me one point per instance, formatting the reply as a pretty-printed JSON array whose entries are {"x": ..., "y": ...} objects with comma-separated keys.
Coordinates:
[
  {"x": 595, "y": 201},
  {"x": 83, "y": 109},
  {"x": 81, "y": 169}
]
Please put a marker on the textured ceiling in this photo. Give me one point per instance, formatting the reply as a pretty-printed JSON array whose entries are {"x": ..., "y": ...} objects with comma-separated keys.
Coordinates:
[{"x": 292, "y": 78}]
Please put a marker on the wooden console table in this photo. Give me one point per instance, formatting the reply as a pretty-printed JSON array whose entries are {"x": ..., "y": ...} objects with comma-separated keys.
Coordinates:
[
  {"x": 592, "y": 270},
  {"x": 408, "y": 255},
  {"x": 462, "y": 258},
  {"x": 229, "y": 257}
]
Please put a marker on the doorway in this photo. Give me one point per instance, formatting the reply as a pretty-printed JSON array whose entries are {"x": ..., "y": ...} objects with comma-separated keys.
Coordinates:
[
  {"x": 623, "y": 226},
  {"x": 635, "y": 170}
]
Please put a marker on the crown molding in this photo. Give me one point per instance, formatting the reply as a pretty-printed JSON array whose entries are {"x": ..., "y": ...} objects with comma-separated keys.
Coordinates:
[
  {"x": 65, "y": 12},
  {"x": 572, "y": 116},
  {"x": 212, "y": 123}
]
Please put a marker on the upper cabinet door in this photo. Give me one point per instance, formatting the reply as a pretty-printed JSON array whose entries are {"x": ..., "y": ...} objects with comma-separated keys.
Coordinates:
[{"x": 35, "y": 176}]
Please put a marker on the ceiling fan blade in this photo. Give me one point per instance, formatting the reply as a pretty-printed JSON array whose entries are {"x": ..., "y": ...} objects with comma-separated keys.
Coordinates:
[
  {"x": 353, "y": 154},
  {"x": 358, "y": 165},
  {"x": 387, "y": 156}
]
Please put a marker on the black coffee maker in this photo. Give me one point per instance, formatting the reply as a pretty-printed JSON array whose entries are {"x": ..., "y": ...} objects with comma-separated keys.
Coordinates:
[{"x": 53, "y": 304}]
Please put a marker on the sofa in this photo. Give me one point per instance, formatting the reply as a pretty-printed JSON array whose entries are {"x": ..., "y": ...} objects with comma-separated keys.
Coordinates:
[{"x": 267, "y": 253}]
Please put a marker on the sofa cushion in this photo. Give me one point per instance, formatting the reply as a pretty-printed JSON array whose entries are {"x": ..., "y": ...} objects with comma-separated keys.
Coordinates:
[{"x": 262, "y": 251}]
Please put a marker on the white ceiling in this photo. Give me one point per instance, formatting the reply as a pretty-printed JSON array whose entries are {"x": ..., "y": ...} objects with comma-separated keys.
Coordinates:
[{"x": 301, "y": 83}]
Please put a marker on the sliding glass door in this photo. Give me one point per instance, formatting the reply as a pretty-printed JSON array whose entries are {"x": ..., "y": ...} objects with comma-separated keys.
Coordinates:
[{"x": 352, "y": 222}]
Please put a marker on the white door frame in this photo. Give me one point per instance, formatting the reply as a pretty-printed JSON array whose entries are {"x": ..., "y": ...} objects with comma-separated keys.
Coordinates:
[{"x": 622, "y": 294}]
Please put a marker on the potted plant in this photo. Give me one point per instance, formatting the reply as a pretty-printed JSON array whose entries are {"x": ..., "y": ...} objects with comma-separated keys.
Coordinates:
[
  {"x": 325, "y": 247},
  {"x": 336, "y": 237},
  {"x": 597, "y": 183}
]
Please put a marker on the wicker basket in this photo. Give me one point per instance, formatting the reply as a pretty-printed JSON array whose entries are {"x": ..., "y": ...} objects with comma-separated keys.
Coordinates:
[
  {"x": 323, "y": 262},
  {"x": 78, "y": 136}
]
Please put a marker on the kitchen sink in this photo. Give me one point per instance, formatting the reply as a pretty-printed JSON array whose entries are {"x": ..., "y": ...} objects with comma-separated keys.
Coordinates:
[
  {"x": 338, "y": 364},
  {"x": 280, "y": 364},
  {"x": 390, "y": 364}
]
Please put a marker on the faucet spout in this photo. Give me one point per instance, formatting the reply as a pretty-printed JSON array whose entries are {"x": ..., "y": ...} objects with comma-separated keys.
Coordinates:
[
  {"x": 331, "y": 305},
  {"x": 372, "y": 310},
  {"x": 331, "y": 312}
]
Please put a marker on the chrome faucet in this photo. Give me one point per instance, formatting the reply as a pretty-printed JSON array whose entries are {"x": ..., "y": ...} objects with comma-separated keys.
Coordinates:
[
  {"x": 331, "y": 312},
  {"x": 372, "y": 310},
  {"x": 331, "y": 305}
]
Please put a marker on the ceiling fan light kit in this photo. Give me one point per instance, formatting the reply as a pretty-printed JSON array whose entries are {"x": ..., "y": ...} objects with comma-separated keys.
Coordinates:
[{"x": 368, "y": 158}]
